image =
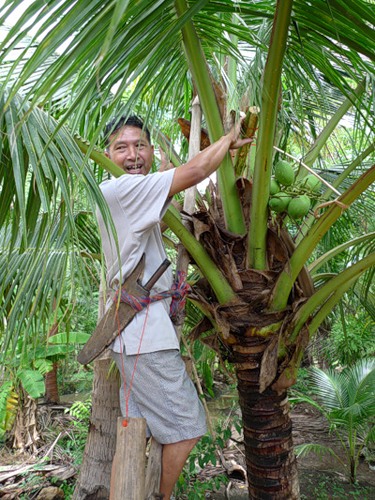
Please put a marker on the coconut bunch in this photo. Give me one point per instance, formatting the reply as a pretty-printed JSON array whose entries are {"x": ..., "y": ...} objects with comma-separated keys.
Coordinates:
[{"x": 291, "y": 196}]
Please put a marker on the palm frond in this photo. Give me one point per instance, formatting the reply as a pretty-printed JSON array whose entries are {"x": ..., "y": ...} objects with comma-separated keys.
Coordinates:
[
  {"x": 45, "y": 184},
  {"x": 343, "y": 397},
  {"x": 330, "y": 391},
  {"x": 299, "y": 398},
  {"x": 361, "y": 383},
  {"x": 317, "y": 449},
  {"x": 137, "y": 45}
]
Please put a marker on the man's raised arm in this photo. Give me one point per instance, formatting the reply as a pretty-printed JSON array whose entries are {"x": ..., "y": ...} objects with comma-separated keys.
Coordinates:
[{"x": 207, "y": 161}]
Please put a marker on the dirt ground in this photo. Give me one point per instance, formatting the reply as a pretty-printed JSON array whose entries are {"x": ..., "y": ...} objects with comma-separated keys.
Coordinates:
[{"x": 320, "y": 478}]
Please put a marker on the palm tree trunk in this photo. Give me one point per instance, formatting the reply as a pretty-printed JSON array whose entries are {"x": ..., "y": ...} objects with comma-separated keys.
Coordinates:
[
  {"x": 52, "y": 390},
  {"x": 94, "y": 480},
  {"x": 270, "y": 460}
]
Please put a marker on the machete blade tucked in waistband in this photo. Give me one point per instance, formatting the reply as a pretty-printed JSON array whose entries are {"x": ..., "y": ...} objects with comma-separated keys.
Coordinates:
[{"x": 119, "y": 315}]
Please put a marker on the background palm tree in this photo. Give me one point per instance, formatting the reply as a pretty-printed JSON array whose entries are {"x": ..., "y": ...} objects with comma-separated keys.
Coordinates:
[
  {"x": 119, "y": 56},
  {"x": 346, "y": 400}
]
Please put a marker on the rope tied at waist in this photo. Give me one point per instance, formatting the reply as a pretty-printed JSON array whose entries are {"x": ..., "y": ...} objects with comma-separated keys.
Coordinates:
[{"x": 178, "y": 293}]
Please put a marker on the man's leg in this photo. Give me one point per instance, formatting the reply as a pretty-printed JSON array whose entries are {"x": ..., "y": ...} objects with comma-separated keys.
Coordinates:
[{"x": 173, "y": 460}]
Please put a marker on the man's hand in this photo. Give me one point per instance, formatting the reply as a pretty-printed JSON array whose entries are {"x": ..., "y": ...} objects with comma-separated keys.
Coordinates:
[
  {"x": 235, "y": 135},
  {"x": 207, "y": 161},
  {"x": 165, "y": 162}
]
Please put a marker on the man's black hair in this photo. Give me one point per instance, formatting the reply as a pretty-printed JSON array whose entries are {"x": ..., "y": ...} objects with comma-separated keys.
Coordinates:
[{"x": 131, "y": 121}]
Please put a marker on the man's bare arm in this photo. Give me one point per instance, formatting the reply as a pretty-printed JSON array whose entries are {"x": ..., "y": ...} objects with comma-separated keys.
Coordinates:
[{"x": 207, "y": 161}]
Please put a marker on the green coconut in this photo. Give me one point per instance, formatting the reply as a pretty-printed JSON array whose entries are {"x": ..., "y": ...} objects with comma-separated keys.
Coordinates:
[
  {"x": 284, "y": 173},
  {"x": 299, "y": 206},
  {"x": 274, "y": 187},
  {"x": 279, "y": 202}
]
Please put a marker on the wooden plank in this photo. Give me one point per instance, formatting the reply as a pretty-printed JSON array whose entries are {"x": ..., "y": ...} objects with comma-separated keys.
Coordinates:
[
  {"x": 153, "y": 472},
  {"x": 128, "y": 468}
]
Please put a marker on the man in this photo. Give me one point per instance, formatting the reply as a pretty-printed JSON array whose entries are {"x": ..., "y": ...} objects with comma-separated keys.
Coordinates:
[{"x": 147, "y": 351}]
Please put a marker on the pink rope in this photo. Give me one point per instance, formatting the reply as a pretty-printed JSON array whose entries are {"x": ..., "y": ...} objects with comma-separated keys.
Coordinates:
[{"x": 178, "y": 293}]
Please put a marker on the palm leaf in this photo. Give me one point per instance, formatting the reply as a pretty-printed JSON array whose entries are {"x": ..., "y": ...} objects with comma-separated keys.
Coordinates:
[
  {"x": 318, "y": 450},
  {"x": 361, "y": 383},
  {"x": 143, "y": 44},
  {"x": 44, "y": 231},
  {"x": 330, "y": 391}
]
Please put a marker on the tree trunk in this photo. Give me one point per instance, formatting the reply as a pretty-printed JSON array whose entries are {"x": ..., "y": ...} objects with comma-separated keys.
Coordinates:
[
  {"x": 270, "y": 460},
  {"x": 94, "y": 480},
  {"x": 52, "y": 390}
]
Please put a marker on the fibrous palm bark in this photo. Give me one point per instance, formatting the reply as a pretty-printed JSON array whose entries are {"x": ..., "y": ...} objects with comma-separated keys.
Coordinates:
[{"x": 95, "y": 474}]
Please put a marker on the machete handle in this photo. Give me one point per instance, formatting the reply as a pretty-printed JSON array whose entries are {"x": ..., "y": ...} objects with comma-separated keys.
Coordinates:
[{"x": 159, "y": 271}]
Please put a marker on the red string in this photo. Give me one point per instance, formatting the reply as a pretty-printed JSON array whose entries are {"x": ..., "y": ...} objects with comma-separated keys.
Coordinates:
[{"x": 127, "y": 393}]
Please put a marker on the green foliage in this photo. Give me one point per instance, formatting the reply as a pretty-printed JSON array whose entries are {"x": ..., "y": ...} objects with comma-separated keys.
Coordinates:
[
  {"x": 81, "y": 411},
  {"x": 347, "y": 401},
  {"x": 195, "y": 490},
  {"x": 43, "y": 365},
  {"x": 32, "y": 381},
  {"x": 8, "y": 407},
  {"x": 73, "y": 378},
  {"x": 302, "y": 384},
  {"x": 206, "y": 453},
  {"x": 331, "y": 487},
  {"x": 75, "y": 440},
  {"x": 31, "y": 482},
  {"x": 11, "y": 393},
  {"x": 352, "y": 341},
  {"x": 72, "y": 337},
  {"x": 27, "y": 367},
  {"x": 67, "y": 486}
]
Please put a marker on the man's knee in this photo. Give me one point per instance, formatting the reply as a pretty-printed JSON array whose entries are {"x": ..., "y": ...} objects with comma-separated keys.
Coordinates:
[
  {"x": 185, "y": 445},
  {"x": 196, "y": 440},
  {"x": 190, "y": 443}
]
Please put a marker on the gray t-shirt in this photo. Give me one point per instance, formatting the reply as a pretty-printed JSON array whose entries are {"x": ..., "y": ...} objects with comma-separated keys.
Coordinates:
[{"x": 137, "y": 204}]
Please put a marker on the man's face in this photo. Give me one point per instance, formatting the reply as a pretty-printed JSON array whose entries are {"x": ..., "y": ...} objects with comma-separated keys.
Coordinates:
[{"x": 131, "y": 151}]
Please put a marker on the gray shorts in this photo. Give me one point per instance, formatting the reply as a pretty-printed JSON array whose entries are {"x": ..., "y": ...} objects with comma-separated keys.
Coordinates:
[{"x": 163, "y": 394}]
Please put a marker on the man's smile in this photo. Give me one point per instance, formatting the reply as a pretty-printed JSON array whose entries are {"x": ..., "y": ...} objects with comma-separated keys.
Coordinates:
[{"x": 134, "y": 169}]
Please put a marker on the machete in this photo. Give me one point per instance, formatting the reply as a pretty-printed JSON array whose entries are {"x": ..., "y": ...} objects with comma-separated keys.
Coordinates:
[{"x": 120, "y": 314}]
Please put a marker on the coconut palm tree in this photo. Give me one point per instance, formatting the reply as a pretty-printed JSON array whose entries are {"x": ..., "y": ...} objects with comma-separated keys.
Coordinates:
[
  {"x": 346, "y": 400},
  {"x": 303, "y": 66}
]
